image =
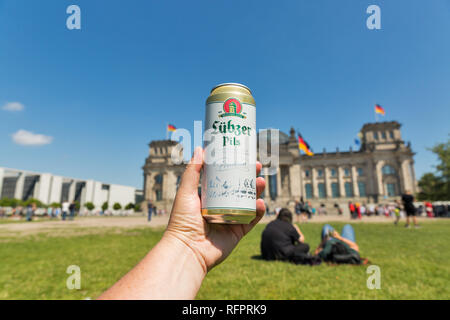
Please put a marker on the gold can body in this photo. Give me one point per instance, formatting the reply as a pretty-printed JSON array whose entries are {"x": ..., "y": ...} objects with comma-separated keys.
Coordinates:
[{"x": 229, "y": 172}]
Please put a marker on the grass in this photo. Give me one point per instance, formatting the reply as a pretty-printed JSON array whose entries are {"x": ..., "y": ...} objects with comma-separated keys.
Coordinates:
[{"x": 415, "y": 264}]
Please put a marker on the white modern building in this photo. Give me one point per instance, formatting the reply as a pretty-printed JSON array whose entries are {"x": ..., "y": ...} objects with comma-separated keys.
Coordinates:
[{"x": 48, "y": 188}]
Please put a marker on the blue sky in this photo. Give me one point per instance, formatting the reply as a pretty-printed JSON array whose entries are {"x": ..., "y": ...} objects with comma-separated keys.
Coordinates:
[{"x": 104, "y": 92}]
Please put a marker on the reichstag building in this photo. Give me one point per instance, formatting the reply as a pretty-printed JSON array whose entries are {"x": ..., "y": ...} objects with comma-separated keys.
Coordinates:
[{"x": 379, "y": 171}]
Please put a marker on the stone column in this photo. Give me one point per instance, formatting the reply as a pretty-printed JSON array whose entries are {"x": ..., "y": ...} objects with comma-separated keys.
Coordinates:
[
  {"x": 379, "y": 179},
  {"x": 279, "y": 186},
  {"x": 266, "y": 176},
  {"x": 294, "y": 179},
  {"x": 371, "y": 179},
  {"x": 170, "y": 186},
  {"x": 315, "y": 193},
  {"x": 2, "y": 173},
  {"x": 18, "y": 193},
  {"x": 72, "y": 191},
  {"x": 340, "y": 173},
  {"x": 355, "y": 182},
  {"x": 413, "y": 177},
  {"x": 164, "y": 187},
  {"x": 149, "y": 183},
  {"x": 406, "y": 174},
  {"x": 326, "y": 172},
  {"x": 302, "y": 188}
]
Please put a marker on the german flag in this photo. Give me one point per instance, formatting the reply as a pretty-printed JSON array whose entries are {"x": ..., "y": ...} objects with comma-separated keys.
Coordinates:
[
  {"x": 379, "y": 109},
  {"x": 171, "y": 128},
  {"x": 303, "y": 145}
]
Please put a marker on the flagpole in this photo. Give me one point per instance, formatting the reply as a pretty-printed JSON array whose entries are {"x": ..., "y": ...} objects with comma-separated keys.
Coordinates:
[{"x": 167, "y": 131}]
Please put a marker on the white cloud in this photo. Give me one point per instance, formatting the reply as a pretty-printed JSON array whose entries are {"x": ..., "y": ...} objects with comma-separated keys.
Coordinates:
[
  {"x": 27, "y": 138},
  {"x": 13, "y": 106}
]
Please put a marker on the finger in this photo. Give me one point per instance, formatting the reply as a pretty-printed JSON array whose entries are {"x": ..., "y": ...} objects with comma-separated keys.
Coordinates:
[
  {"x": 260, "y": 208},
  {"x": 258, "y": 168},
  {"x": 260, "y": 186},
  {"x": 191, "y": 176}
]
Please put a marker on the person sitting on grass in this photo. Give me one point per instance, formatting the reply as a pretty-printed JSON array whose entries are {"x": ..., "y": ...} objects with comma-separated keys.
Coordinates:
[
  {"x": 283, "y": 240},
  {"x": 339, "y": 249}
]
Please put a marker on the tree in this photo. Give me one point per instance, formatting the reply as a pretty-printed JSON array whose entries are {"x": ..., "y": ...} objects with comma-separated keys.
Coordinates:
[
  {"x": 137, "y": 207},
  {"x": 55, "y": 205},
  {"x": 430, "y": 186},
  {"x": 117, "y": 206},
  {"x": 436, "y": 186},
  {"x": 90, "y": 206},
  {"x": 7, "y": 202},
  {"x": 31, "y": 201},
  {"x": 129, "y": 206},
  {"x": 105, "y": 206}
]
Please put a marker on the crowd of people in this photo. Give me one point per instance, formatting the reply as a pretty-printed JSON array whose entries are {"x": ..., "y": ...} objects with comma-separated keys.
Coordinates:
[
  {"x": 403, "y": 207},
  {"x": 63, "y": 211},
  {"x": 66, "y": 211}
]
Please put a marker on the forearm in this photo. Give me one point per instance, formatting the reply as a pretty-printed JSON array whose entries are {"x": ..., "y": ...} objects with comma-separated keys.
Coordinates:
[
  {"x": 351, "y": 244},
  {"x": 170, "y": 270},
  {"x": 301, "y": 236}
]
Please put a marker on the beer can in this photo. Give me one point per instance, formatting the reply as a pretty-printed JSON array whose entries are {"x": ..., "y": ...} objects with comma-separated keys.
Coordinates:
[{"x": 229, "y": 173}]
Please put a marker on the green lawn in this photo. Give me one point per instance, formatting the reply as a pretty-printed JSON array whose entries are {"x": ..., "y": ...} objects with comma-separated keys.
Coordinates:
[{"x": 415, "y": 264}]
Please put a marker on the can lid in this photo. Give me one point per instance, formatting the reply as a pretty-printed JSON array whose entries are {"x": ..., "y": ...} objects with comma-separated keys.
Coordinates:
[{"x": 231, "y": 84}]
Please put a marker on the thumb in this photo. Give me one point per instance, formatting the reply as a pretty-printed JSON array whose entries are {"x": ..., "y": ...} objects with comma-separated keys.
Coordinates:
[{"x": 191, "y": 176}]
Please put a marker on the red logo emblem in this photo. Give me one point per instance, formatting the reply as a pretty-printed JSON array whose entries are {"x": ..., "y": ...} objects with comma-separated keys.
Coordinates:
[{"x": 232, "y": 107}]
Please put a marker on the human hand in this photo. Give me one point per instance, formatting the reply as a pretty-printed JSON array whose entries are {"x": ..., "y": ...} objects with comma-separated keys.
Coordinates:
[
  {"x": 211, "y": 243},
  {"x": 335, "y": 234},
  {"x": 302, "y": 237}
]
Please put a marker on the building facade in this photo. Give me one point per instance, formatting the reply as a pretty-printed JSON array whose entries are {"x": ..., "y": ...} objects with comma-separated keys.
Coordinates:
[
  {"x": 381, "y": 170},
  {"x": 48, "y": 188}
]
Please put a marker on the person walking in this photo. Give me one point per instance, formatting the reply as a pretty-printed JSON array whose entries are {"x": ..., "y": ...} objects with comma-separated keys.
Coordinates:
[
  {"x": 387, "y": 213},
  {"x": 65, "y": 209},
  {"x": 351, "y": 208},
  {"x": 380, "y": 210},
  {"x": 397, "y": 209},
  {"x": 57, "y": 212},
  {"x": 371, "y": 210},
  {"x": 338, "y": 208},
  {"x": 322, "y": 210},
  {"x": 72, "y": 208},
  {"x": 50, "y": 212},
  {"x": 29, "y": 216},
  {"x": 429, "y": 209},
  {"x": 149, "y": 210},
  {"x": 363, "y": 210},
  {"x": 408, "y": 204},
  {"x": 298, "y": 210},
  {"x": 358, "y": 210}
]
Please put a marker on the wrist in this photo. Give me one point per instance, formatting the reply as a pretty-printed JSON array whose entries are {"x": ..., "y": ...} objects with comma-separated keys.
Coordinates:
[{"x": 182, "y": 246}]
